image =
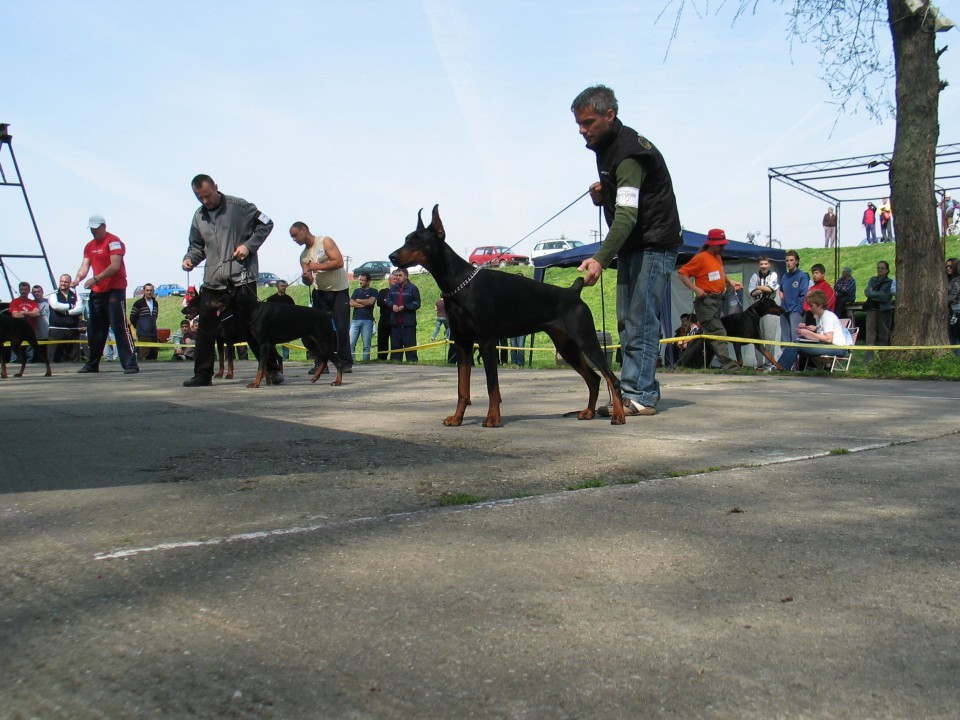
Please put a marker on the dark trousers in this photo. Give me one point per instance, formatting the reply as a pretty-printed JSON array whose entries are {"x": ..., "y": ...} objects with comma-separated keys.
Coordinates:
[
  {"x": 403, "y": 336},
  {"x": 337, "y": 303},
  {"x": 147, "y": 353},
  {"x": 109, "y": 310},
  {"x": 383, "y": 338},
  {"x": 67, "y": 352},
  {"x": 205, "y": 353}
]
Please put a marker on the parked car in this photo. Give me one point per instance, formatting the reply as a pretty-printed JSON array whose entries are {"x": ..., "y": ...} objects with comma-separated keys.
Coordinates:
[
  {"x": 167, "y": 290},
  {"x": 496, "y": 255},
  {"x": 378, "y": 269},
  {"x": 268, "y": 279},
  {"x": 139, "y": 291},
  {"x": 548, "y": 247}
]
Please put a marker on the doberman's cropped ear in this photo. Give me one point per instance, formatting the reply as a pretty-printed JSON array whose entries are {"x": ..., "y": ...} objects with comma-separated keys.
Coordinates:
[
  {"x": 436, "y": 225},
  {"x": 420, "y": 219}
]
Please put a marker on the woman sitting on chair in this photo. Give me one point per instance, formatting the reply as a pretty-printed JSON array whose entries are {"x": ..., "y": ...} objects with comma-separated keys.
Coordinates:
[{"x": 827, "y": 331}]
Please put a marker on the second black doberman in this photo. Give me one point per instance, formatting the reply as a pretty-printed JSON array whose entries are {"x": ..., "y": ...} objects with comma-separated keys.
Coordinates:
[
  {"x": 745, "y": 324},
  {"x": 17, "y": 331},
  {"x": 226, "y": 334},
  {"x": 273, "y": 323},
  {"x": 484, "y": 305}
]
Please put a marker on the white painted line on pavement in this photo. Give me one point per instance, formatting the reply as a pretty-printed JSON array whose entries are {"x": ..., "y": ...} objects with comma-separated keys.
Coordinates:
[{"x": 300, "y": 530}]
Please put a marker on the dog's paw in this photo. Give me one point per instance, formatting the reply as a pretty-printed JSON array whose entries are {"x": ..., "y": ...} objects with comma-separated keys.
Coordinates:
[
  {"x": 618, "y": 420},
  {"x": 453, "y": 421},
  {"x": 492, "y": 422},
  {"x": 219, "y": 375},
  {"x": 229, "y": 376},
  {"x": 586, "y": 414}
]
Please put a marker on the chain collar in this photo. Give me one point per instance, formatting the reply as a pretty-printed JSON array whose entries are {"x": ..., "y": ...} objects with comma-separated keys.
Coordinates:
[{"x": 462, "y": 285}]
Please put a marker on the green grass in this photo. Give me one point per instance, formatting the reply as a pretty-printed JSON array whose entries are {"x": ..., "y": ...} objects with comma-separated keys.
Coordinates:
[
  {"x": 588, "y": 484},
  {"x": 458, "y": 499},
  {"x": 839, "y": 451}
]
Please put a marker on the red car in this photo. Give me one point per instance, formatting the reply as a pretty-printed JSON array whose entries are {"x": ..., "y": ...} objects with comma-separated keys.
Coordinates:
[{"x": 496, "y": 255}]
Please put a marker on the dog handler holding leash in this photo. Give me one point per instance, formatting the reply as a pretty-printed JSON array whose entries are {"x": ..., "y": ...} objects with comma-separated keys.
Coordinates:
[
  {"x": 227, "y": 231},
  {"x": 636, "y": 193}
]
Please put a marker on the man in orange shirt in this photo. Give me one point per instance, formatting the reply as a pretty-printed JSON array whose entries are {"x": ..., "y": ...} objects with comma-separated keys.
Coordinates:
[{"x": 705, "y": 277}]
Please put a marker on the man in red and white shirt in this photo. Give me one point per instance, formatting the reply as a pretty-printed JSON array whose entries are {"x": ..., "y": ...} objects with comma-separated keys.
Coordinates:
[
  {"x": 25, "y": 306},
  {"x": 108, "y": 303}
]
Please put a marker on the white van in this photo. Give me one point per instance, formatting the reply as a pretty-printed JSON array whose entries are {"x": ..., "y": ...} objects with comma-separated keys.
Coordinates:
[{"x": 548, "y": 247}]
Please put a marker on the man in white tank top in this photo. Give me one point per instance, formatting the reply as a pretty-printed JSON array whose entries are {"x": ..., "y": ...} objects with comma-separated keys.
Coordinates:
[{"x": 323, "y": 272}]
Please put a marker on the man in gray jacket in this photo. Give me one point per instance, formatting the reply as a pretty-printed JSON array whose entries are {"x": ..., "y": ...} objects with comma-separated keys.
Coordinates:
[{"x": 226, "y": 231}]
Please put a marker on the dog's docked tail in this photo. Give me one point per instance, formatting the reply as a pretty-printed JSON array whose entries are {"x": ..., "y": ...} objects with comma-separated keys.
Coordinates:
[{"x": 577, "y": 286}]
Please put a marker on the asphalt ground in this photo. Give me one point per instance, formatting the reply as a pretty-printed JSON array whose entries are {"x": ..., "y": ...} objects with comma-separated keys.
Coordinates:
[{"x": 764, "y": 547}]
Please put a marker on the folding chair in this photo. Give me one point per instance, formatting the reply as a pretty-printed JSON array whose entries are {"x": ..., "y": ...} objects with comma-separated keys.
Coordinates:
[{"x": 840, "y": 364}]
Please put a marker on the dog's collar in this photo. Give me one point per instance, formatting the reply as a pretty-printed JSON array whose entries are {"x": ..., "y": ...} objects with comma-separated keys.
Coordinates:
[{"x": 462, "y": 285}]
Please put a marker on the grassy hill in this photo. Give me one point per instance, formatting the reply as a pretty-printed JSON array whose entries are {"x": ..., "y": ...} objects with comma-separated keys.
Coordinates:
[{"x": 862, "y": 260}]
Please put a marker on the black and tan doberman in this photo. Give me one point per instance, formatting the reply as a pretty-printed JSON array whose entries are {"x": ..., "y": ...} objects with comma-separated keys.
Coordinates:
[
  {"x": 484, "y": 305},
  {"x": 745, "y": 324}
]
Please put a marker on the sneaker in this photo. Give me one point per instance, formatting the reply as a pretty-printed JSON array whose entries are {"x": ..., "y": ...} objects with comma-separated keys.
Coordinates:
[
  {"x": 88, "y": 369},
  {"x": 632, "y": 408},
  {"x": 198, "y": 381},
  {"x": 629, "y": 407}
]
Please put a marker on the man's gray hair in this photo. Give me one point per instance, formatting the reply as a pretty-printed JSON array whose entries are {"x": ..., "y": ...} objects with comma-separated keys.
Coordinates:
[{"x": 598, "y": 98}]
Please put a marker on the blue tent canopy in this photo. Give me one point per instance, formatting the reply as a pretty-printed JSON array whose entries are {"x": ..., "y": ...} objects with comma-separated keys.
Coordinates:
[
  {"x": 734, "y": 253},
  {"x": 692, "y": 244}
]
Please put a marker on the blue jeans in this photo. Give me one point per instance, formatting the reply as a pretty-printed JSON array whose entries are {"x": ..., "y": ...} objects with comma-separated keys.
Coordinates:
[
  {"x": 516, "y": 356},
  {"x": 789, "y": 322},
  {"x": 364, "y": 329},
  {"x": 642, "y": 279},
  {"x": 789, "y": 355}
]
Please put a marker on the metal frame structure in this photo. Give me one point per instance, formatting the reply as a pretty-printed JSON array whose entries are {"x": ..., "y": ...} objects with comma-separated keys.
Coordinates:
[
  {"x": 849, "y": 179},
  {"x": 6, "y": 141}
]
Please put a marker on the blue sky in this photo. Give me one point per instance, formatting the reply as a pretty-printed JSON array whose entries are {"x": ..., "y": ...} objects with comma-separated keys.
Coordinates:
[{"x": 352, "y": 116}]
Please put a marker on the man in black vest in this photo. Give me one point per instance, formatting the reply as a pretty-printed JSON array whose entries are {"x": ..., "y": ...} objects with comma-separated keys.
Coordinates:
[
  {"x": 65, "y": 311},
  {"x": 636, "y": 193}
]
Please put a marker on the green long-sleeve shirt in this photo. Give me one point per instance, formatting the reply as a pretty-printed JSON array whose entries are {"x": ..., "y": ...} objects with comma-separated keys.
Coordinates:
[{"x": 630, "y": 175}]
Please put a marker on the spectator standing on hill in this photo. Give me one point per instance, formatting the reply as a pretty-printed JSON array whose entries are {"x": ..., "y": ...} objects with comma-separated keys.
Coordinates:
[
  {"x": 363, "y": 300},
  {"x": 107, "y": 307},
  {"x": 845, "y": 291},
  {"x": 705, "y": 276},
  {"x": 886, "y": 220},
  {"x": 280, "y": 296},
  {"x": 830, "y": 228},
  {"x": 640, "y": 208},
  {"x": 65, "y": 312},
  {"x": 870, "y": 223},
  {"x": 403, "y": 297},
  {"x": 442, "y": 321},
  {"x": 879, "y": 306},
  {"x": 794, "y": 286},
  {"x": 143, "y": 318}
]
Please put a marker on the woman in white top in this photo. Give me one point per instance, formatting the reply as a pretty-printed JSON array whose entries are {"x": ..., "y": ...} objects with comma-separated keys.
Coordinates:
[{"x": 827, "y": 331}]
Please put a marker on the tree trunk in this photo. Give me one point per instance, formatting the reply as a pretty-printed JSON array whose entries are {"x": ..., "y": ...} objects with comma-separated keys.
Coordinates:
[{"x": 921, "y": 282}]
